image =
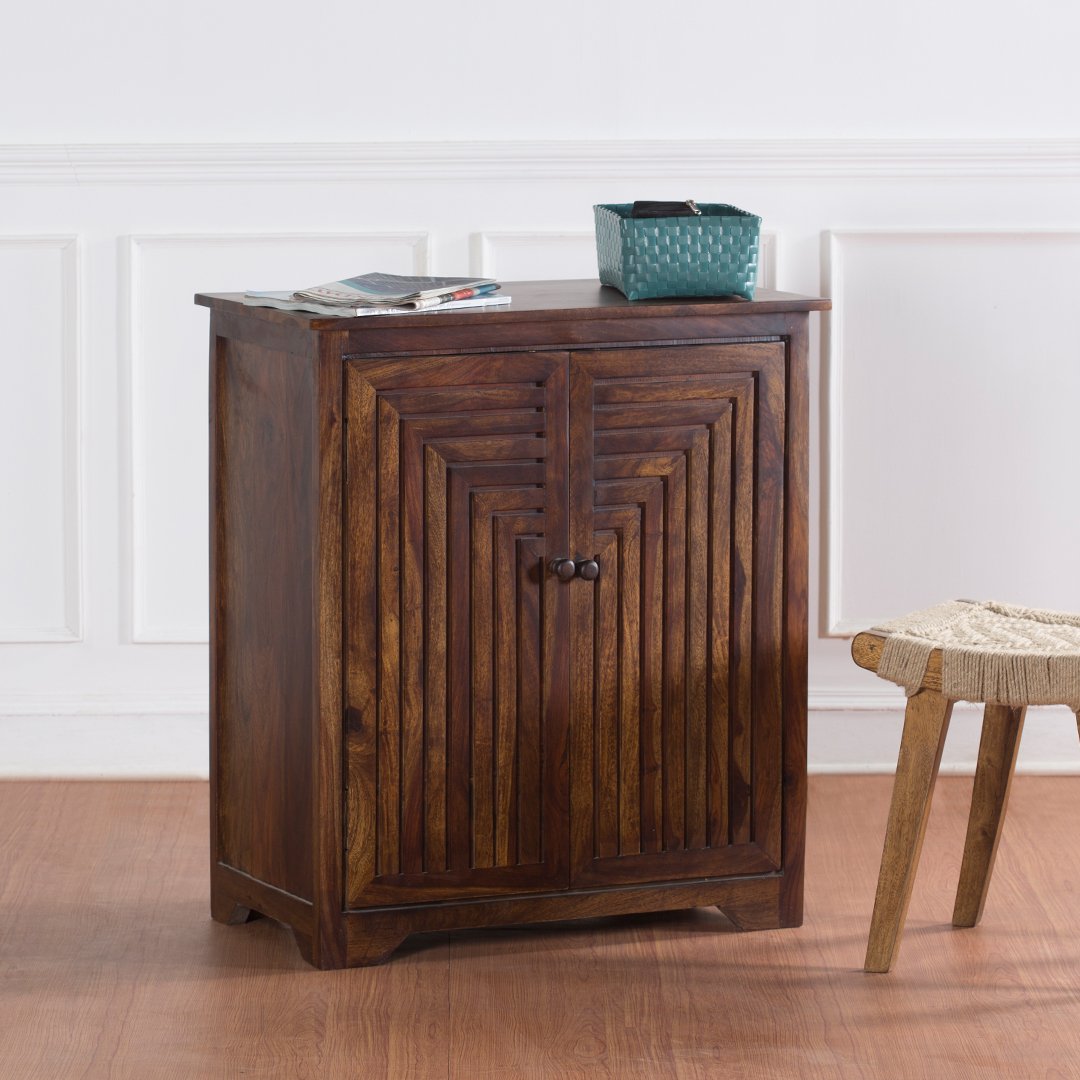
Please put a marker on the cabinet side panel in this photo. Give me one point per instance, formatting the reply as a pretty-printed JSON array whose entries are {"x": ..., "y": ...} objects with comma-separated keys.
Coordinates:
[{"x": 262, "y": 601}]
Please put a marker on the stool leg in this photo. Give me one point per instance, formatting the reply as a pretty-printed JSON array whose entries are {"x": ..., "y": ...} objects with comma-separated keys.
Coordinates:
[
  {"x": 993, "y": 777},
  {"x": 926, "y": 724}
]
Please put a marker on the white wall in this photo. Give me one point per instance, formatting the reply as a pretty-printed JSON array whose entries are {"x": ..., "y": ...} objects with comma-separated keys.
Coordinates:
[{"x": 921, "y": 166}]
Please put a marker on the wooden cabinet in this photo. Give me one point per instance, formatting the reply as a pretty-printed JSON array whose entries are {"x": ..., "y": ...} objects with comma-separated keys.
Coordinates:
[{"x": 509, "y": 614}]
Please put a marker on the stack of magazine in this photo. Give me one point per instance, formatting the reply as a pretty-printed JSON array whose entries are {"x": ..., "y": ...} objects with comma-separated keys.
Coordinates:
[{"x": 385, "y": 294}]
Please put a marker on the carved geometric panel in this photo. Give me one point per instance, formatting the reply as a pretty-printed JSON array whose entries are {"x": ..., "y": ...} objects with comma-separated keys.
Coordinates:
[
  {"x": 688, "y": 553},
  {"x": 456, "y": 501},
  {"x": 952, "y": 397},
  {"x": 169, "y": 388},
  {"x": 40, "y": 465}
]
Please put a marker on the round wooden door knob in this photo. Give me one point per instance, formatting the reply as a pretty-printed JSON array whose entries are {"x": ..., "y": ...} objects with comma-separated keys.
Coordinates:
[{"x": 564, "y": 569}]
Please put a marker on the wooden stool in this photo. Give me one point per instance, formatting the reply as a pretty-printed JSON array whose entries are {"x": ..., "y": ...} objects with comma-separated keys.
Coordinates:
[{"x": 1002, "y": 656}]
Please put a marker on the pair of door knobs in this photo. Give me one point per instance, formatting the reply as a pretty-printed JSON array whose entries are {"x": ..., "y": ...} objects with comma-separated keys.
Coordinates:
[{"x": 568, "y": 569}]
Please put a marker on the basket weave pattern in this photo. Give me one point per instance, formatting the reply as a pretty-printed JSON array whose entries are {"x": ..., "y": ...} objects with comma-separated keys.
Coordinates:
[{"x": 715, "y": 254}]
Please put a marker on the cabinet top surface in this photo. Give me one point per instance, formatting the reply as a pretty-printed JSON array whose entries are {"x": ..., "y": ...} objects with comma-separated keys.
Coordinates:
[{"x": 534, "y": 301}]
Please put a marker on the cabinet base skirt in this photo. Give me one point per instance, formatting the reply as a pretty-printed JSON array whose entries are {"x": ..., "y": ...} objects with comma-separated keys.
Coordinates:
[
  {"x": 750, "y": 903},
  {"x": 371, "y": 936}
]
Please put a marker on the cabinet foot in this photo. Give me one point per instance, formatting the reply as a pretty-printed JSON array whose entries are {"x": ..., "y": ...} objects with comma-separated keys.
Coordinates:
[
  {"x": 224, "y": 909},
  {"x": 303, "y": 943},
  {"x": 750, "y": 915},
  {"x": 367, "y": 950}
]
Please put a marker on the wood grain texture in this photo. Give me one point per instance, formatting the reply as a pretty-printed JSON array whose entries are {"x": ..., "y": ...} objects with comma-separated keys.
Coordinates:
[
  {"x": 454, "y": 617},
  {"x": 262, "y": 531},
  {"x": 866, "y": 652},
  {"x": 327, "y": 660},
  {"x": 535, "y": 301},
  {"x": 926, "y": 723},
  {"x": 113, "y": 970},
  {"x": 796, "y": 621},
  {"x": 677, "y": 460},
  {"x": 433, "y": 689},
  {"x": 998, "y": 747}
]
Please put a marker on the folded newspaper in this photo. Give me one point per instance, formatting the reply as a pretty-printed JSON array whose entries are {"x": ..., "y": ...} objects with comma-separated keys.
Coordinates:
[
  {"x": 286, "y": 301},
  {"x": 394, "y": 289}
]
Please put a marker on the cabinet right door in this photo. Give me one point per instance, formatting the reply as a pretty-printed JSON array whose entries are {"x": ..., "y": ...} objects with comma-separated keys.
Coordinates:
[{"x": 677, "y": 491}]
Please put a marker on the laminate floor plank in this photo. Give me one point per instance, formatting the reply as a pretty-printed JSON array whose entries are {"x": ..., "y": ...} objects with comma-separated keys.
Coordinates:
[{"x": 110, "y": 966}]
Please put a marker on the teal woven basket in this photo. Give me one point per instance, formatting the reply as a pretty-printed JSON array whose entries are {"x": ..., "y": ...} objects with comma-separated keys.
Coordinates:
[{"x": 711, "y": 254}]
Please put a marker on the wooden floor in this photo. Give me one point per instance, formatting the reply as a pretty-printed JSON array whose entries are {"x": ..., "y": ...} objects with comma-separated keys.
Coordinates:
[{"x": 111, "y": 967}]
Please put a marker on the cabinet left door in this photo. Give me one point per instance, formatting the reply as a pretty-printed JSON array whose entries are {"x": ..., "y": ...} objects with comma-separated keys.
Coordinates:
[{"x": 456, "y": 666}]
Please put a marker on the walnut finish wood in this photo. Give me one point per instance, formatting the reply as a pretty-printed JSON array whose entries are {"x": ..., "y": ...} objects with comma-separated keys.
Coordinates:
[
  {"x": 795, "y": 619},
  {"x": 262, "y": 452},
  {"x": 683, "y": 512},
  {"x": 417, "y": 723},
  {"x": 456, "y": 503},
  {"x": 998, "y": 747},
  {"x": 926, "y": 724}
]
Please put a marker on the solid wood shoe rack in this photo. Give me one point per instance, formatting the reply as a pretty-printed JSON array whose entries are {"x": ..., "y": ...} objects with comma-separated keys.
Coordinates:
[{"x": 508, "y": 614}]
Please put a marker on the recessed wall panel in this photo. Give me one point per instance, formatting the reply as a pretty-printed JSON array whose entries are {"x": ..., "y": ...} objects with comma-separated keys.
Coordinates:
[
  {"x": 953, "y": 390},
  {"x": 39, "y": 440},
  {"x": 548, "y": 256},
  {"x": 169, "y": 378}
]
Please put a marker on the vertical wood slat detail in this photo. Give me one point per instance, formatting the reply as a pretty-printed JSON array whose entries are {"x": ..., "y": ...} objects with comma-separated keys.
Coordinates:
[
  {"x": 388, "y": 617},
  {"x": 676, "y": 736},
  {"x": 456, "y": 485},
  {"x": 721, "y": 631},
  {"x": 530, "y": 703},
  {"x": 605, "y": 646},
  {"x": 436, "y": 661},
  {"x": 424, "y": 715},
  {"x": 676, "y": 522}
]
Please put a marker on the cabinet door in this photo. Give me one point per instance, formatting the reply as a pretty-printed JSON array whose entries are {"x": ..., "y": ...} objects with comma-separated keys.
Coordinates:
[
  {"x": 677, "y": 466},
  {"x": 455, "y": 636}
]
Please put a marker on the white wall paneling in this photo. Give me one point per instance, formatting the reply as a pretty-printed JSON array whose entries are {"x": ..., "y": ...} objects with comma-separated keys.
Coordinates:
[
  {"x": 168, "y": 365},
  {"x": 705, "y": 161},
  {"x": 534, "y": 255},
  {"x": 40, "y": 440},
  {"x": 937, "y": 340},
  {"x": 953, "y": 389},
  {"x": 541, "y": 256}
]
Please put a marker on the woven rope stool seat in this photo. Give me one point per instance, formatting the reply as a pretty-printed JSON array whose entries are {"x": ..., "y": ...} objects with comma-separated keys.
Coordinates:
[{"x": 1004, "y": 656}]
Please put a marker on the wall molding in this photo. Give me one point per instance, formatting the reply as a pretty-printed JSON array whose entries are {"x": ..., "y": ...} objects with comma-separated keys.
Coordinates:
[
  {"x": 484, "y": 248},
  {"x": 835, "y": 621},
  {"x": 121, "y": 163},
  {"x": 68, "y": 306},
  {"x": 145, "y": 628}
]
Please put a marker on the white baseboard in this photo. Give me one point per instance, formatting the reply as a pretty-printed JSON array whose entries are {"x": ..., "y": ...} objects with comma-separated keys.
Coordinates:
[
  {"x": 160, "y": 744},
  {"x": 132, "y": 746},
  {"x": 169, "y": 703},
  {"x": 868, "y": 741}
]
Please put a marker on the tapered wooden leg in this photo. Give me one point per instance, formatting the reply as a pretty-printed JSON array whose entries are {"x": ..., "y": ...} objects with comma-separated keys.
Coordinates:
[
  {"x": 993, "y": 777},
  {"x": 926, "y": 724}
]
